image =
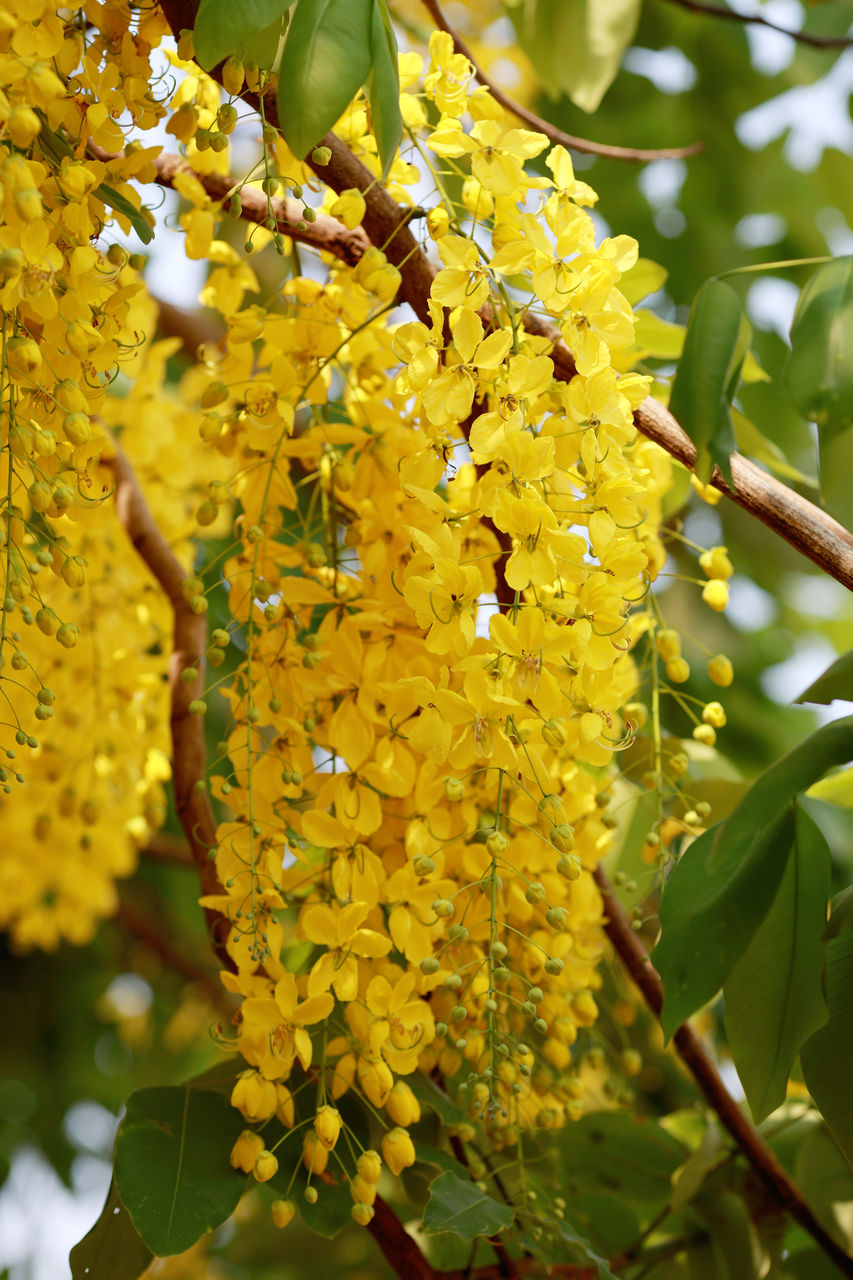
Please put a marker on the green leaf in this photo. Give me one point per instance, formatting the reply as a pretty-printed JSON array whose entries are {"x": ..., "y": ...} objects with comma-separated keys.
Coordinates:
[
  {"x": 645, "y": 277},
  {"x": 172, "y": 1169},
  {"x": 841, "y": 912},
  {"x": 836, "y": 682},
  {"x": 326, "y": 60},
  {"x": 223, "y": 27},
  {"x": 137, "y": 218},
  {"x": 773, "y": 995},
  {"x": 615, "y": 1152},
  {"x": 721, "y": 889},
  {"x": 826, "y": 1056},
  {"x": 220, "y": 1078},
  {"x": 836, "y": 789},
  {"x": 562, "y": 1245},
  {"x": 819, "y": 376},
  {"x": 653, "y": 336},
  {"x": 819, "y": 372},
  {"x": 430, "y": 1095},
  {"x": 457, "y": 1205},
  {"x": 733, "y": 1245},
  {"x": 113, "y": 1246},
  {"x": 716, "y": 342},
  {"x": 384, "y": 86},
  {"x": 576, "y": 45},
  {"x": 754, "y": 444},
  {"x": 826, "y": 1180}
]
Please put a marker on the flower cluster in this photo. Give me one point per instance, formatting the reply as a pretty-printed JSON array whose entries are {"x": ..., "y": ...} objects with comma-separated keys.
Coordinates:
[{"x": 436, "y": 650}]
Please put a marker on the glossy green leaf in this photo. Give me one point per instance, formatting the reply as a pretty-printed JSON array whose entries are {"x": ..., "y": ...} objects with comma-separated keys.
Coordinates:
[
  {"x": 774, "y": 999},
  {"x": 836, "y": 682},
  {"x": 457, "y": 1205},
  {"x": 223, "y": 27},
  {"x": 716, "y": 342},
  {"x": 653, "y": 336},
  {"x": 383, "y": 89},
  {"x": 576, "y": 45},
  {"x": 826, "y": 1056},
  {"x": 721, "y": 889},
  {"x": 172, "y": 1170},
  {"x": 615, "y": 1152},
  {"x": 113, "y": 1247},
  {"x": 120, "y": 204},
  {"x": 325, "y": 62},
  {"x": 754, "y": 444},
  {"x": 428, "y": 1094}
]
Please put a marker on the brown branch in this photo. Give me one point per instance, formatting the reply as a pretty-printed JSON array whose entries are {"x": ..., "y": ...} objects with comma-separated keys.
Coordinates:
[
  {"x": 755, "y": 20},
  {"x": 693, "y": 1053},
  {"x": 149, "y": 932},
  {"x": 398, "y": 1248},
  {"x": 325, "y": 234},
  {"x": 636, "y": 154},
  {"x": 189, "y": 753},
  {"x": 806, "y": 527},
  {"x": 194, "y": 328}
]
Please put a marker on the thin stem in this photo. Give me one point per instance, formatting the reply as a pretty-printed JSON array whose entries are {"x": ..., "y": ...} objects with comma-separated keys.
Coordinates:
[
  {"x": 637, "y": 155},
  {"x": 755, "y": 19}
]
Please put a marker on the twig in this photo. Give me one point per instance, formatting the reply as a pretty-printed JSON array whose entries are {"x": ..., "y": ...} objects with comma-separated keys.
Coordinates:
[
  {"x": 755, "y": 20},
  {"x": 325, "y": 234},
  {"x": 806, "y": 527},
  {"x": 148, "y": 931},
  {"x": 634, "y": 956},
  {"x": 636, "y": 154},
  {"x": 189, "y": 754}
]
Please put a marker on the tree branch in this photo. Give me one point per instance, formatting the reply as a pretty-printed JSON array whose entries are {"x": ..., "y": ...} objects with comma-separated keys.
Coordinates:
[
  {"x": 636, "y": 154},
  {"x": 189, "y": 754},
  {"x": 755, "y": 20},
  {"x": 634, "y": 956}
]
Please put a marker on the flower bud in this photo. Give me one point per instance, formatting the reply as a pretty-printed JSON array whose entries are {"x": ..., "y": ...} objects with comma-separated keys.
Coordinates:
[
  {"x": 265, "y": 1167},
  {"x": 362, "y": 1214},
  {"x": 282, "y": 1212},
  {"x": 555, "y": 733},
  {"x": 253, "y": 1096},
  {"x": 369, "y": 1166},
  {"x": 315, "y": 1156},
  {"x": 402, "y": 1105},
  {"x": 246, "y": 1150},
  {"x": 398, "y": 1150},
  {"x": 327, "y": 1125},
  {"x": 720, "y": 670}
]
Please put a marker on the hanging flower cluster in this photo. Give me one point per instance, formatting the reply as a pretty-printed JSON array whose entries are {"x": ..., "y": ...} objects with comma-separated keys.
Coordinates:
[
  {"x": 440, "y": 566},
  {"x": 440, "y": 547}
]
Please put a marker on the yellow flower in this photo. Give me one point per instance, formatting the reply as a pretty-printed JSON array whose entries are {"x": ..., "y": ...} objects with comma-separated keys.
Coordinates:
[
  {"x": 400, "y": 1025},
  {"x": 338, "y": 929}
]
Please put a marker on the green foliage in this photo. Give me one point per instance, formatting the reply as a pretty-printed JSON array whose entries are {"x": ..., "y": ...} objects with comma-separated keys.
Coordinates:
[
  {"x": 819, "y": 376},
  {"x": 576, "y": 45},
  {"x": 826, "y": 1056},
  {"x": 716, "y": 343},
  {"x": 172, "y": 1169},
  {"x": 113, "y": 1247},
  {"x": 836, "y": 682},
  {"x": 773, "y": 994},
  {"x": 383, "y": 86},
  {"x": 223, "y": 28},
  {"x": 626, "y": 1156},
  {"x": 721, "y": 890},
  {"x": 457, "y": 1205},
  {"x": 326, "y": 60}
]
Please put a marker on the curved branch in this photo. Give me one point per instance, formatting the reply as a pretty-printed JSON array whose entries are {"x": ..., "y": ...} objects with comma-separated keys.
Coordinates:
[
  {"x": 755, "y": 20},
  {"x": 189, "y": 754},
  {"x": 693, "y": 1053},
  {"x": 636, "y": 154}
]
